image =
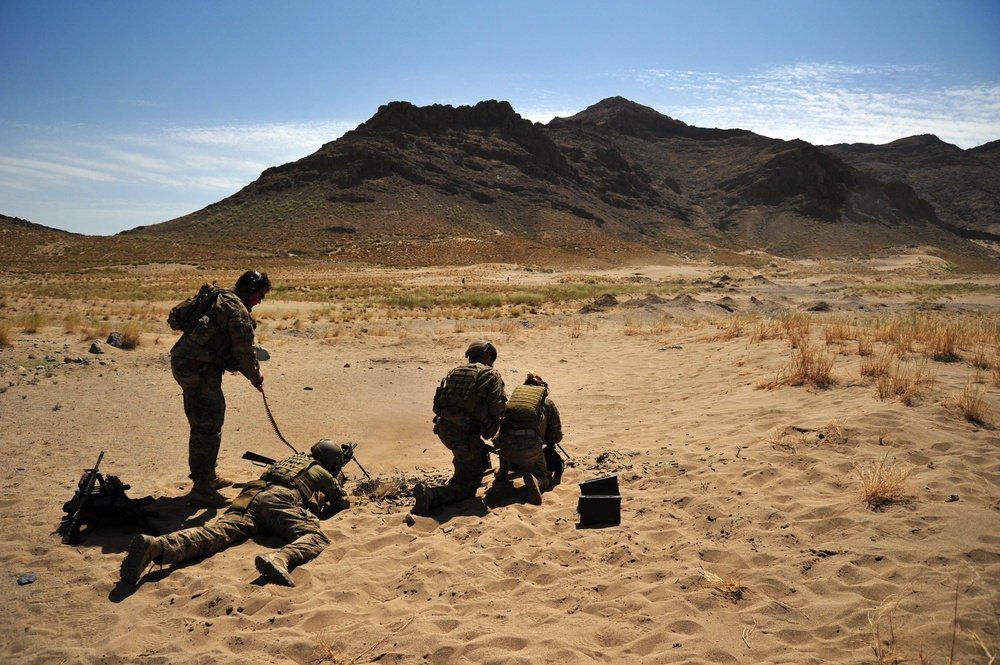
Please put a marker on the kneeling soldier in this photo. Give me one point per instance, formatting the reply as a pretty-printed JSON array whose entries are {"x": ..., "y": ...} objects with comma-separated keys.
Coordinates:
[
  {"x": 276, "y": 503},
  {"x": 530, "y": 430}
]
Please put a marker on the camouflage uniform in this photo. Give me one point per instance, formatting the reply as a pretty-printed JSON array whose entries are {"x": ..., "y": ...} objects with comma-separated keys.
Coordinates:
[
  {"x": 524, "y": 447},
  {"x": 223, "y": 340},
  {"x": 461, "y": 427},
  {"x": 276, "y": 503}
]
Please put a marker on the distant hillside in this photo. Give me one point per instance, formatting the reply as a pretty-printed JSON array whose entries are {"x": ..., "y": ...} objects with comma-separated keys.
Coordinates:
[
  {"x": 963, "y": 186},
  {"x": 445, "y": 184},
  {"x": 441, "y": 184},
  {"x": 28, "y": 246}
]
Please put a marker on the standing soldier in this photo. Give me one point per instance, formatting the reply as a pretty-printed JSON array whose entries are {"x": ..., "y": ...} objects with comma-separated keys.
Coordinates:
[
  {"x": 218, "y": 336},
  {"x": 468, "y": 406},
  {"x": 276, "y": 503},
  {"x": 531, "y": 428}
]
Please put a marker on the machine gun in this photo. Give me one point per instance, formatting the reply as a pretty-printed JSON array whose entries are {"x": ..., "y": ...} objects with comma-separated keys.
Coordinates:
[
  {"x": 347, "y": 448},
  {"x": 101, "y": 499}
]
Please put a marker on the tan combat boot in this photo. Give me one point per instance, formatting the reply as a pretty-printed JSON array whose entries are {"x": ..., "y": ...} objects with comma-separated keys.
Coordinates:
[
  {"x": 142, "y": 551},
  {"x": 274, "y": 567},
  {"x": 206, "y": 495}
]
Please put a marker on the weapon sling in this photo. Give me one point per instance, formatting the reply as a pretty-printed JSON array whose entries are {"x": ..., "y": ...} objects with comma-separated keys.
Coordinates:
[{"x": 274, "y": 424}]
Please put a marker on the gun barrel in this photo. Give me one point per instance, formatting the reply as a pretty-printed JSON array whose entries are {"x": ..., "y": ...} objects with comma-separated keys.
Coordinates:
[{"x": 259, "y": 459}]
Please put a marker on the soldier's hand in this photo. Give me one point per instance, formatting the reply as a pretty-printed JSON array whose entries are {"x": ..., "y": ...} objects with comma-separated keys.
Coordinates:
[{"x": 259, "y": 384}]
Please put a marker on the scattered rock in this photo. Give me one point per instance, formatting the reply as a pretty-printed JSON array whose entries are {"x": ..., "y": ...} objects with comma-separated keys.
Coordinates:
[
  {"x": 97, "y": 347},
  {"x": 117, "y": 340}
]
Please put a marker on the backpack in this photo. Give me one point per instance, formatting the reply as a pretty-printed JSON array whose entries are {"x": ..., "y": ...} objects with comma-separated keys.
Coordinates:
[
  {"x": 184, "y": 316},
  {"x": 457, "y": 390},
  {"x": 525, "y": 408}
]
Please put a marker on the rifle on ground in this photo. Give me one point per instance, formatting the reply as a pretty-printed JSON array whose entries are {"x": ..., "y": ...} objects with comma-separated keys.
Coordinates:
[
  {"x": 70, "y": 529},
  {"x": 347, "y": 448},
  {"x": 101, "y": 499}
]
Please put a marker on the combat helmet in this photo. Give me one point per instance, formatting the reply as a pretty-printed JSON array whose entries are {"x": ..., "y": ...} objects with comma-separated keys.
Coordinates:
[
  {"x": 481, "y": 349},
  {"x": 329, "y": 455}
]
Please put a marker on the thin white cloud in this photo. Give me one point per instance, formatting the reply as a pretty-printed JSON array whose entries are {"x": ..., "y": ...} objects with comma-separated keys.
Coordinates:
[{"x": 827, "y": 103}]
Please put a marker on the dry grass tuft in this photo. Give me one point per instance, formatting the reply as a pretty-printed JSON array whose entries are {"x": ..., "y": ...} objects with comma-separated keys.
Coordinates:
[
  {"x": 31, "y": 322},
  {"x": 883, "y": 483},
  {"x": 733, "y": 588},
  {"x": 131, "y": 336},
  {"x": 5, "y": 337},
  {"x": 973, "y": 407},
  {"x": 807, "y": 366}
]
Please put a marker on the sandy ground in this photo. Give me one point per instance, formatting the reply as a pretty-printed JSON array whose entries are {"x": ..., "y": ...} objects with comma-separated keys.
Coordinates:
[{"x": 721, "y": 482}]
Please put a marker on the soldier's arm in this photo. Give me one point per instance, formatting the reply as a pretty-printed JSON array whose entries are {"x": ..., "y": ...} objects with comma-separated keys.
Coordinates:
[
  {"x": 241, "y": 334},
  {"x": 492, "y": 391},
  {"x": 553, "y": 430},
  {"x": 334, "y": 496}
]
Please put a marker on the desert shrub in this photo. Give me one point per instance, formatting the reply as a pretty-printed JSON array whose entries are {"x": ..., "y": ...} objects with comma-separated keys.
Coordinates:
[
  {"x": 905, "y": 382},
  {"x": 5, "y": 336},
  {"x": 131, "y": 335},
  {"x": 73, "y": 321},
  {"x": 95, "y": 330},
  {"x": 942, "y": 341},
  {"x": 882, "y": 482},
  {"x": 973, "y": 407},
  {"x": 810, "y": 366},
  {"x": 31, "y": 322}
]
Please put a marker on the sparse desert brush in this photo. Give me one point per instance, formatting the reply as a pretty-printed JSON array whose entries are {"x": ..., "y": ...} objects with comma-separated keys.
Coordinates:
[
  {"x": 942, "y": 341},
  {"x": 31, "y": 322},
  {"x": 810, "y": 365},
  {"x": 973, "y": 407},
  {"x": 905, "y": 382},
  {"x": 795, "y": 324},
  {"x": 131, "y": 335},
  {"x": 883, "y": 483},
  {"x": 731, "y": 588},
  {"x": 5, "y": 336},
  {"x": 95, "y": 330},
  {"x": 73, "y": 321},
  {"x": 838, "y": 331},
  {"x": 877, "y": 365},
  {"x": 865, "y": 344}
]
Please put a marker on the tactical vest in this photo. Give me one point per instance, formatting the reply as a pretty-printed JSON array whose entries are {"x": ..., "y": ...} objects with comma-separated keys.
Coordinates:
[
  {"x": 526, "y": 408},
  {"x": 457, "y": 391},
  {"x": 291, "y": 472}
]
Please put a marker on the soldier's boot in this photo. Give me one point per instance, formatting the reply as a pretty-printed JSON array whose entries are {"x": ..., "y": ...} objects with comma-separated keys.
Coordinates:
[
  {"x": 219, "y": 482},
  {"x": 531, "y": 486},
  {"x": 142, "y": 551},
  {"x": 274, "y": 567},
  {"x": 203, "y": 494},
  {"x": 423, "y": 500}
]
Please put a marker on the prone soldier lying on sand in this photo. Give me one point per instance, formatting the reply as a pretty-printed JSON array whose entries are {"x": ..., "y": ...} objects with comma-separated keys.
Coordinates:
[{"x": 277, "y": 503}]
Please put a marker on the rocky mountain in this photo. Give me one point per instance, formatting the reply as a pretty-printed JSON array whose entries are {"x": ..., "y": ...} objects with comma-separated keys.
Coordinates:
[
  {"x": 962, "y": 185},
  {"x": 440, "y": 184}
]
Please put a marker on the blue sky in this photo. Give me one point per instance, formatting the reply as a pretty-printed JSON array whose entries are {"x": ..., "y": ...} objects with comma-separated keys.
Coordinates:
[{"x": 119, "y": 113}]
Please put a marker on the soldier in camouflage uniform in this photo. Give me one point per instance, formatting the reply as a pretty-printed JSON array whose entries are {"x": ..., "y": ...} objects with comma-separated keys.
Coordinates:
[
  {"x": 222, "y": 340},
  {"x": 468, "y": 406},
  {"x": 530, "y": 430},
  {"x": 276, "y": 503}
]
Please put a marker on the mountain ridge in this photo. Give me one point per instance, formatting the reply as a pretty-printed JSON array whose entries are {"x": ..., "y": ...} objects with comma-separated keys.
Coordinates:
[{"x": 455, "y": 184}]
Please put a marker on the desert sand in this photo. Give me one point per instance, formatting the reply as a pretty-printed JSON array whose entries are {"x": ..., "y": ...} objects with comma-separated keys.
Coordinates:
[{"x": 743, "y": 534}]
